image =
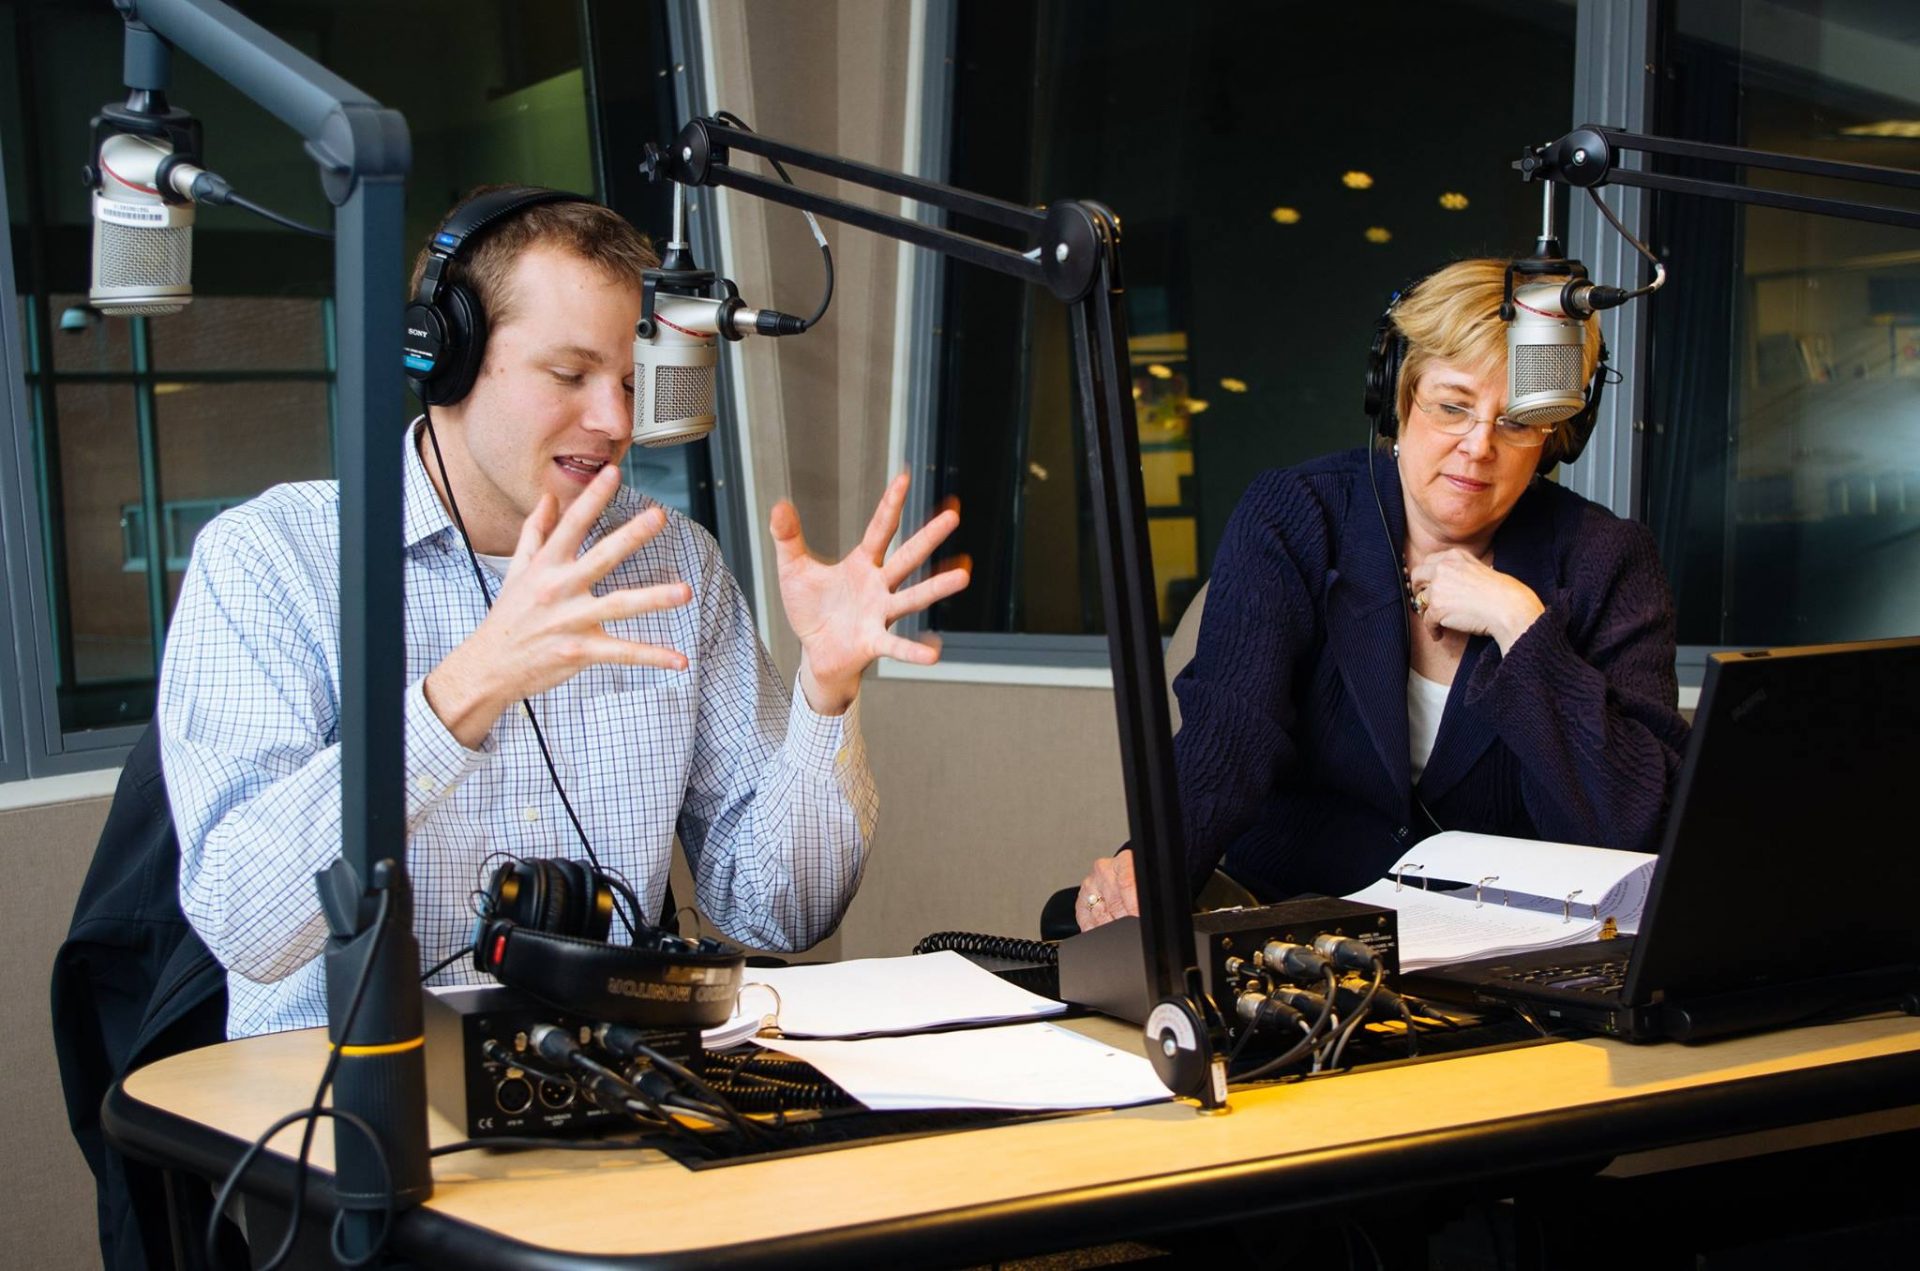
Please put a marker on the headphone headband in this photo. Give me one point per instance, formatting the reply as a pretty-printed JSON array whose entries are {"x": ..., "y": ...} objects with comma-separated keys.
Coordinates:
[
  {"x": 446, "y": 326},
  {"x": 1389, "y": 353},
  {"x": 472, "y": 218}
]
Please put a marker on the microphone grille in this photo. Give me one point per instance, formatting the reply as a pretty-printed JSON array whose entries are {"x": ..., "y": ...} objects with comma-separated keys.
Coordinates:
[
  {"x": 1545, "y": 368},
  {"x": 143, "y": 258},
  {"x": 682, "y": 392}
]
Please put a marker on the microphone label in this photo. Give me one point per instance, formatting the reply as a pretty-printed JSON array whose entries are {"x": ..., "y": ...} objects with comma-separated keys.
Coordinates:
[{"x": 138, "y": 215}]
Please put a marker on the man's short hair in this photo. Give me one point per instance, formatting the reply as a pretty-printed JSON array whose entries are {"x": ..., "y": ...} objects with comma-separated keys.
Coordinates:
[{"x": 598, "y": 235}]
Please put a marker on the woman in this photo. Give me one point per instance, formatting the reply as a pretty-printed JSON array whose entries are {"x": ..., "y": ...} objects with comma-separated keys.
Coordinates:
[{"x": 1422, "y": 636}]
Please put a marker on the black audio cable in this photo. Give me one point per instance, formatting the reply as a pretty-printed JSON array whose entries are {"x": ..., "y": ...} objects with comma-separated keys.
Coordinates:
[
  {"x": 794, "y": 1087},
  {"x": 826, "y": 253},
  {"x": 631, "y": 1043},
  {"x": 1263, "y": 1014},
  {"x": 312, "y": 1115},
  {"x": 1297, "y": 962},
  {"x": 210, "y": 187},
  {"x": 486, "y": 595},
  {"x": 622, "y": 1097},
  {"x": 602, "y": 1084},
  {"x": 1337, "y": 1045},
  {"x": 1346, "y": 952},
  {"x": 1305, "y": 1044},
  {"x": 1012, "y": 948}
]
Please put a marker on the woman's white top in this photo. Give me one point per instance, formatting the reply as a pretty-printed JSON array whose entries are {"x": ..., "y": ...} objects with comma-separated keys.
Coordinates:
[{"x": 1426, "y": 702}]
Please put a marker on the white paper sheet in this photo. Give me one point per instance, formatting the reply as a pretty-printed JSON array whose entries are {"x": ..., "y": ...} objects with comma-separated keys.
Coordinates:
[
  {"x": 1436, "y": 928},
  {"x": 1019, "y": 1066},
  {"x": 878, "y": 995},
  {"x": 1538, "y": 875}
]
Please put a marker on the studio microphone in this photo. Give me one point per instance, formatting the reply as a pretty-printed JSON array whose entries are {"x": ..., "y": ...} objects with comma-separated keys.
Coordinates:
[
  {"x": 675, "y": 349},
  {"x": 676, "y": 341},
  {"x": 1545, "y": 384},
  {"x": 142, "y": 227}
]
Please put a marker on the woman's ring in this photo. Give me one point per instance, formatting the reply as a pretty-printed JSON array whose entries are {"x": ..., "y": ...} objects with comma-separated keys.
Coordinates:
[
  {"x": 1093, "y": 898},
  {"x": 1419, "y": 601}
]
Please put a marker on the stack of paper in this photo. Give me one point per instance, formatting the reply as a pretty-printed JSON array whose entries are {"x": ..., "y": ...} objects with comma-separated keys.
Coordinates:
[
  {"x": 1519, "y": 894},
  {"x": 1437, "y": 928},
  {"x": 875, "y": 996},
  {"x": 1020, "y": 1066}
]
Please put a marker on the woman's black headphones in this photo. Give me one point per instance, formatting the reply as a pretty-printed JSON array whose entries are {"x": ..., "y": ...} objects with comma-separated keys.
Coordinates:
[
  {"x": 446, "y": 327},
  {"x": 1389, "y": 352},
  {"x": 543, "y": 928}
]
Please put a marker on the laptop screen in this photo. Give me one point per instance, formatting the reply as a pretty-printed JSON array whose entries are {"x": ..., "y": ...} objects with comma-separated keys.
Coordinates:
[{"x": 1790, "y": 853}]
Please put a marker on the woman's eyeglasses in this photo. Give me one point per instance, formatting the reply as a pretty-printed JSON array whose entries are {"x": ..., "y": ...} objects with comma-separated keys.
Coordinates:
[{"x": 1456, "y": 420}]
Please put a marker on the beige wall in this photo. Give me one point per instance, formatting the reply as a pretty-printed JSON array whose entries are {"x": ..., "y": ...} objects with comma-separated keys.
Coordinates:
[
  {"x": 46, "y": 1191},
  {"x": 992, "y": 796}
]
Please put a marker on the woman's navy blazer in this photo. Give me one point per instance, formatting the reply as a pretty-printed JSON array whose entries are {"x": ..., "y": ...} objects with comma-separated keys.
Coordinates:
[{"x": 1293, "y": 750}]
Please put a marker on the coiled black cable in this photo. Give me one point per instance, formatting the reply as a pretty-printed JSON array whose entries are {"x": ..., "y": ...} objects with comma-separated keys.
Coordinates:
[{"x": 979, "y": 945}]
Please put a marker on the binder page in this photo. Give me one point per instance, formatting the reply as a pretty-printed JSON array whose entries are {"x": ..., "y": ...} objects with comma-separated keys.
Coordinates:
[
  {"x": 1437, "y": 928},
  {"x": 1023, "y": 1066},
  {"x": 1609, "y": 882},
  {"x": 879, "y": 995}
]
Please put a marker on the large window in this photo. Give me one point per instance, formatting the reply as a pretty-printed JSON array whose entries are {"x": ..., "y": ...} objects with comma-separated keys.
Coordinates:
[
  {"x": 1782, "y": 466},
  {"x": 144, "y": 428},
  {"x": 133, "y": 433},
  {"x": 1279, "y": 171}
]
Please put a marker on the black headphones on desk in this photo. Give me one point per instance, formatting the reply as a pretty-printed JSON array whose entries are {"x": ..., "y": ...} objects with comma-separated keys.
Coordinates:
[
  {"x": 1389, "y": 352},
  {"x": 446, "y": 326},
  {"x": 543, "y": 928}
]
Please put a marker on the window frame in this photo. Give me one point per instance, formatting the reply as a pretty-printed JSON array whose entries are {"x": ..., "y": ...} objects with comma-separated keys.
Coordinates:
[
  {"x": 1614, "y": 81},
  {"x": 32, "y": 742}
]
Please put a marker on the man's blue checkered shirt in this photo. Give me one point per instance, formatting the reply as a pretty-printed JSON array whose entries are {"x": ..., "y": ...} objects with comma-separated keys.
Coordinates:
[{"x": 774, "y": 804}]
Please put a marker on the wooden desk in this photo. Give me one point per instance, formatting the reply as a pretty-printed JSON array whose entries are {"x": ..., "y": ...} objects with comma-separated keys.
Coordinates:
[{"x": 981, "y": 1194}]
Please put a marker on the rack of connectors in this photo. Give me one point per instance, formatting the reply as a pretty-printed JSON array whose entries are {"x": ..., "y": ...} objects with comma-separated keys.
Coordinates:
[
  {"x": 488, "y": 1075},
  {"x": 1100, "y": 968}
]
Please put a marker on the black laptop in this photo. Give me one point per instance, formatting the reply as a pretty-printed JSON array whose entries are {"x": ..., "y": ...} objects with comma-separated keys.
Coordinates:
[{"x": 1789, "y": 871}]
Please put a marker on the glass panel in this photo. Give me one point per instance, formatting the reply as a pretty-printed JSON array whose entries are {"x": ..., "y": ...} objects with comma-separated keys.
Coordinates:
[
  {"x": 82, "y": 339},
  {"x": 666, "y": 474},
  {"x": 1783, "y": 446},
  {"x": 509, "y": 104},
  {"x": 224, "y": 333},
  {"x": 105, "y": 636},
  {"x": 1279, "y": 171},
  {"x": 224, "y": 443}
]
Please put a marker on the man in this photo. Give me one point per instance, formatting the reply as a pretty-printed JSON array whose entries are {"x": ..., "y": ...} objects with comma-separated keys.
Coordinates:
[{"x": 611, "y": 618}]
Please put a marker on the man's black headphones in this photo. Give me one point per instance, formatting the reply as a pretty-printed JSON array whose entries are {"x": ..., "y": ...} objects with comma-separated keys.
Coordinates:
[
  {"x": 1389, "y": 352},
  {"x": 543, "y": 928},
  {"x": 446, "y": 327}
]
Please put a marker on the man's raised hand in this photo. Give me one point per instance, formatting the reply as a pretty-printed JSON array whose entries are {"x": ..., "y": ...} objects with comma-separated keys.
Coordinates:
[
  {"x": 842, "y": 611},
  {"x": 546, "y": 625}
]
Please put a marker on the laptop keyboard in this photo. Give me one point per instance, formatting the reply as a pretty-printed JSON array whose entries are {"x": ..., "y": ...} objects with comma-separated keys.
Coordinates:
[{"x": 1605, "y": 976}]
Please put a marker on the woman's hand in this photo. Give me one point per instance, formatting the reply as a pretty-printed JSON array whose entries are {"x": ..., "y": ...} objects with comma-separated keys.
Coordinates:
[
  {"x": 1108, "y": 892},
  {"x": 1455, "y": 590}
]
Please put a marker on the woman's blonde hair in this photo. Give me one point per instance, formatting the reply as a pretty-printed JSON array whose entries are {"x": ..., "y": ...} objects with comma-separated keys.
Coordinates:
[{"x": 1454, "y": 316}]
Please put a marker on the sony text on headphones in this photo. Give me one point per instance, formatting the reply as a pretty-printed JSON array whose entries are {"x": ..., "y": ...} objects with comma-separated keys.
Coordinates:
[
  {"x": 543, "y": 929},
  {"x": 1389, "y": 352},
  {"x": 446, "y": 327}
]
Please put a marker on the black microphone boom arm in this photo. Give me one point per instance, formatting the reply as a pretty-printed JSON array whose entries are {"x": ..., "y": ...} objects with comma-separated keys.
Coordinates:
[
  {"x": 363, "y": 153},
  {"x": 1588, "y": 156},
  {"x": 1072, "y": 249}
]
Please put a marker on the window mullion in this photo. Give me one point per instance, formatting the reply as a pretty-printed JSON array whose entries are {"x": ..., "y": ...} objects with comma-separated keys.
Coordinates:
[{"x": 150, "y": 500}]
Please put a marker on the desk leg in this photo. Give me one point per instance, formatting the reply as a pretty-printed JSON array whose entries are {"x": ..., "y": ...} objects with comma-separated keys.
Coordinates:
[{"x": 189, "y": 1201}]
